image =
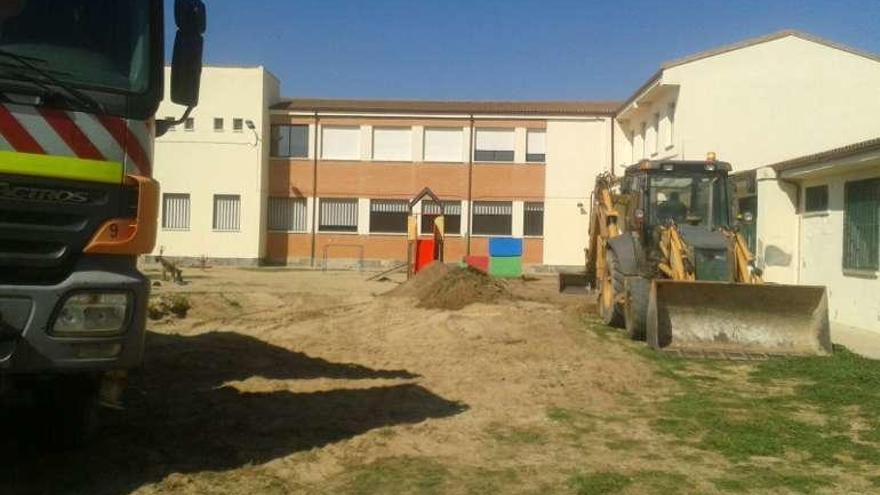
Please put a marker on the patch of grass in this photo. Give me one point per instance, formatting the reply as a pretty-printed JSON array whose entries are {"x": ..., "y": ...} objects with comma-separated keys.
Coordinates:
[
  {"x": 624, "y": 444},
  {"x": 599, "y": 483},
  {"x": 512, "y": 435},
  {"x": 741, "y": 423},
  {"x": 416, "y": 475},
  {"x": 755, "y": 478},
  {"x": 559, "y": 415},
  {"x": 399, "y": 475},
  {"x": 875, "y": 480},
  {"x": 483, "y": 481},
  {"x": 658, "y": 482},
  {"x": 833, "y": 383}
]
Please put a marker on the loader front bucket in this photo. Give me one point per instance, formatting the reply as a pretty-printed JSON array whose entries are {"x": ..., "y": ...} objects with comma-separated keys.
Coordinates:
[{"x": 727, "y": 318}]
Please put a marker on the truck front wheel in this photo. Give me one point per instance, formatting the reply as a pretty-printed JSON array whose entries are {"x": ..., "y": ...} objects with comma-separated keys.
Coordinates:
[{"x": 68, "y": 410}]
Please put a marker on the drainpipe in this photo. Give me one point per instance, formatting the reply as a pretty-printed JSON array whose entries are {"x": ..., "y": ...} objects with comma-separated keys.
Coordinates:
[
  {"x": 470, "y": 186},
  {"x": 613, "y": 172},
  {"x": 314, "y": 189}
]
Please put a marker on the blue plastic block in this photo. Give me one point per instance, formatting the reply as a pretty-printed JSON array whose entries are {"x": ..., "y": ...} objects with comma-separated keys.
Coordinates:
[{"x": 505, "y": 247}]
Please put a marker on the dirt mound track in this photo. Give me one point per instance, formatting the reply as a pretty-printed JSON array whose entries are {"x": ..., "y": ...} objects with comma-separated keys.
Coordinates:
[{"x": 442, "y": 287}]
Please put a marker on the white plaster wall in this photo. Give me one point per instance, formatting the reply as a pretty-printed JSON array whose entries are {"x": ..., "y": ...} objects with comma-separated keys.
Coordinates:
[
  {"x": 204, "y": 162},
  {"x": 774, "y": 101},
  {"x": 852, "y": 296},
  {"x": 777, "y": 229},
  {"x": 576, "y": 152}
]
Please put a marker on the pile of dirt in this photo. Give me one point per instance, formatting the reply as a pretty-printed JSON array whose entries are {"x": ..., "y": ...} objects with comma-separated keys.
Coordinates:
[{"x": 443, "y": 287}]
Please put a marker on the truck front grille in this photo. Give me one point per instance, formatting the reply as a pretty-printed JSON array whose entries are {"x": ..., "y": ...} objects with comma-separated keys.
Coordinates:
[{"x": 41, "y": 240}]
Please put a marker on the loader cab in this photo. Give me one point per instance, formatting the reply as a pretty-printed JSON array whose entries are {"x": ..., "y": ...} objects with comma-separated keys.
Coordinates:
[{"x": 691, "y": 193}]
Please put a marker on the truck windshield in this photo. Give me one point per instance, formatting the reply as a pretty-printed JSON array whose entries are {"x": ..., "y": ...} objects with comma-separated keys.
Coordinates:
[
  {"x": 692, "y": 199},
  {"x": 95, "y": 44}
]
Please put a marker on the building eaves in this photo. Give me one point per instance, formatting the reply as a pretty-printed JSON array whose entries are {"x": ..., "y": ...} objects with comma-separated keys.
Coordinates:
[
  {"x": 449, "y": 107},
  {"x": 832, "y": 154}
]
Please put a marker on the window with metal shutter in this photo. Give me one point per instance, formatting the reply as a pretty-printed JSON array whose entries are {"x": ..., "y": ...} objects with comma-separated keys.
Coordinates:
[
  {"x": 388, "y": 216},
  {"x": 493, "y": 218},
  {"x": 392, "y": 144},
  {"x": 227, "y": 212},
  {"x": 533, "y": 219},
  {"x": 287, "y": 214},
  {"x": 494, "y": 145},
  {"x": 861, "y": 225},
  {"x": 338, "y": 215},
  {"x": 175, "y": 211},
  {"x": 536, "y": 147},
  {"x": 452, "y": 217}
]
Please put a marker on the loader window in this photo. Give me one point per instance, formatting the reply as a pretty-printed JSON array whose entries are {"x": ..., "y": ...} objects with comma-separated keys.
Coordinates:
[{"x": 692, "y": 199}]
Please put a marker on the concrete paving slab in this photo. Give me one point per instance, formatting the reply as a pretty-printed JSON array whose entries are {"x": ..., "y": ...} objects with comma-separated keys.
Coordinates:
[{"x": 858, "y": 340}]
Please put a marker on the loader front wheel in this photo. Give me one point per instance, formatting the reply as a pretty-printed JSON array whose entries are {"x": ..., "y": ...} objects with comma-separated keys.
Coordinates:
[
  {"x": 611, "y": 287},
  {"x": 635, "y": 310}
]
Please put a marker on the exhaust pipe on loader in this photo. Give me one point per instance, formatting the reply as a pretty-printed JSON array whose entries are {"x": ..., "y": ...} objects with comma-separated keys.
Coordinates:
[{"x": 723, "y": 317}]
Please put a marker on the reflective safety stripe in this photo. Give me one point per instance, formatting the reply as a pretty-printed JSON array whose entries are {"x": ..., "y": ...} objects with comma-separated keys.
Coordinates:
[{"x": 60, "y": 167}]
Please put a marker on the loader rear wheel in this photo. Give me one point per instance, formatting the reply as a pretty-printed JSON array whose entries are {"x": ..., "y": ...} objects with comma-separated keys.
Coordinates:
[
  {"x": 638, "y": 291},
  {"x": 611, "y": 287}
]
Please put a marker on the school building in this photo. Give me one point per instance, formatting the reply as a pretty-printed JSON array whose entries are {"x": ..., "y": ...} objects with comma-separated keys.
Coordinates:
[{"x": 257, "y": 178}]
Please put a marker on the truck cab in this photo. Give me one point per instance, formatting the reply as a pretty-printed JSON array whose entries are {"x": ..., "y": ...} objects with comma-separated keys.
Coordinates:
[{"x": 80, "y": 82}]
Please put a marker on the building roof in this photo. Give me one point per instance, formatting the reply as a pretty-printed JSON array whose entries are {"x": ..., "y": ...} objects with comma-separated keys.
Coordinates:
[
  {"x": 764, "y": 39},
  {"x": 832, "y": 154},
  {"x": 451, "y": 107},
  {"x": 745, "y": 44}
]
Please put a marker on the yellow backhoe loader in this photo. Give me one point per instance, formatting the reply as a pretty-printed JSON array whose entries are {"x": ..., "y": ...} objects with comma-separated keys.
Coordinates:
[{"x": 669, "y": 267}]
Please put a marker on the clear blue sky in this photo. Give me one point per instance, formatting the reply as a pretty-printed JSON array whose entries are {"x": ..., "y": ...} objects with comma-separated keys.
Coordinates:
[{"x": 457, "y": 49}]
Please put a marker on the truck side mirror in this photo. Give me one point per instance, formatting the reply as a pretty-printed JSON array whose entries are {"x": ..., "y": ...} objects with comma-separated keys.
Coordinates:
[{"x": 186, "y": 62}]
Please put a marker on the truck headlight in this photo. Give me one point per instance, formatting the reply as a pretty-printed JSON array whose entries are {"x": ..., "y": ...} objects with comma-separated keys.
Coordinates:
[{"x": 93, "y": 313}]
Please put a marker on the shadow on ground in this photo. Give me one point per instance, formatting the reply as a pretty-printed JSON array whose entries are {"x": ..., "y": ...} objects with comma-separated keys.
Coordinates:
[{"x": 184, "y": 419}]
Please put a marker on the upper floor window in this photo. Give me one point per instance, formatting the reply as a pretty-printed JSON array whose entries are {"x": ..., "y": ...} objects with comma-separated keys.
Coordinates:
[
  {"x": 494, "y": 145},
  {"x": 218, "y": 124},
  {"x": 237, "y": 124},
  {"x": 655, "y": 146},
  {"x": 392, "y": 143},
  {"x": 536, "y": 147},
  {"x": 171, "y": 127},
  {"x": 642, "y": 131},
  {"x": 632, "y": 146},
  {"x": 189, "y": 124},
  {"x": 670, "y": 117},
  {"x": 341, "y": 143},
  {"x": 290, "y": 141},
  {"x": 444, "y": 144}
]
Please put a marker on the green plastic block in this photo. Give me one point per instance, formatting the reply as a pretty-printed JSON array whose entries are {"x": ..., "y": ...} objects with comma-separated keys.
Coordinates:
[{"x": 505, "y": 267}]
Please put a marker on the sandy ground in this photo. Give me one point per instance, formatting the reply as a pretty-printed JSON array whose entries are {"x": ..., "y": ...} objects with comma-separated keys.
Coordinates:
[{"x": 283, "y": 381}]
